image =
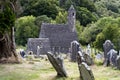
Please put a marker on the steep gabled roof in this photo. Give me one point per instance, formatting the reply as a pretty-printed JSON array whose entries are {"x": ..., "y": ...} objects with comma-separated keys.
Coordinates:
[{"x": 59, "y": 35}]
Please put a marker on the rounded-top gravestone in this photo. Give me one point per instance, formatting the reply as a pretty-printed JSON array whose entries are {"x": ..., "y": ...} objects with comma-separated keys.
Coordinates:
[
  {"x": 74, "y": 50},
  {"x": 107, "y": 46}
]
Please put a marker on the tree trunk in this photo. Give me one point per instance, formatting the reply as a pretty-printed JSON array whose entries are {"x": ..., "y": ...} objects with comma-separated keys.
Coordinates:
[{"x": 7, "y": 51}]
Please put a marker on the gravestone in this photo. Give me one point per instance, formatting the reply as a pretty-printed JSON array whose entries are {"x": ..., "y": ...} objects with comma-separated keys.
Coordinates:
[
  {"x": 84, "y": 69},
  {"x": 99, "y": 56},
  {"x": 88, "y": 50},
  {"x": 22, "y": 53},
  {"x": 107, "y": 46},
  {"x": 118, "y": 62},
  {"x": 57, "y": 63},
  {"x": 74, "y": 50},
  {"x": 112, "y": 56},
  {"x": 88, "y": 59}
]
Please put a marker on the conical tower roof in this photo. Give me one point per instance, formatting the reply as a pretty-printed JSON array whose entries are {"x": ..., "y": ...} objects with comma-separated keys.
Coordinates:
[{"x": 71, "y": 8}]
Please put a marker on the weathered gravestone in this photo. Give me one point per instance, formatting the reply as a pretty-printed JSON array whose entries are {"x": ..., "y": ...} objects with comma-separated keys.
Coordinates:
[
  {"x": 112, "y": 56},
  {"x": 88, "y": 59},
  {"x": 99, "y": 56},
  {"x": 84, "y": 69},
  {"x": 74, "y": 49},
  {"x": 107, "y": 46},
  {"x": 57, "y": 63},
  {"x": 118, "y": 62}
]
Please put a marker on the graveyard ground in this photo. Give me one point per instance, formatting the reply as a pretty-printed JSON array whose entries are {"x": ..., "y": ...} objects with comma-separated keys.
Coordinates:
[{"x": 43, "y": 70}]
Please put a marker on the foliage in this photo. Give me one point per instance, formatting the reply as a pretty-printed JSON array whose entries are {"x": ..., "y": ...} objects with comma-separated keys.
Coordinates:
[
  {"x": 105, "y": 8},
  {"x": 80, "y": 3},
  {"x": 67, "y": 4},
  {"x": 85, "y": 16},
  {"x": 89, "y": 33},
  {"x": 84, "y": 12},
  {"x": 110, "y": 31},
  {"x": 25, "y": 28},
  {"x": 99, "y": 41},
  {"x": 113, "y": 8},
  {"x": 79, "y": 29},
  {"x": 61, "y": 18},
  {"x": 105, "y": 28},
  {"x": 7, "y": 18},
  {"x": 41, "y": 7},
  {"x": 42, "y": 18}
]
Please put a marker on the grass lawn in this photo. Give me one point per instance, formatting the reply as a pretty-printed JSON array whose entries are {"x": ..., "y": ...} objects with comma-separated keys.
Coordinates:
[{"x": 43, "y": 70}]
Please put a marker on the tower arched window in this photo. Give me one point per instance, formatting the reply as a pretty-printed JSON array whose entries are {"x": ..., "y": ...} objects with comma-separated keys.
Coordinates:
[{"x": 73, "y": 14}]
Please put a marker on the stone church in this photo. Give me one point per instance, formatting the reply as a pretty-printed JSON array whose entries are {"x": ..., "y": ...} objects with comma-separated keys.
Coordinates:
[{"x": 60, "y": 35}]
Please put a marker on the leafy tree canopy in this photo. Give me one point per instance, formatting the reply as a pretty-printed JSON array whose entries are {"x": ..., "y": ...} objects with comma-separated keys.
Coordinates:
[
  {"x": 85, "y": 16},
  {"x": 7, "y": 17},
  {"x": 25, "y": 28},
  {"x": 40, "y": 7}
]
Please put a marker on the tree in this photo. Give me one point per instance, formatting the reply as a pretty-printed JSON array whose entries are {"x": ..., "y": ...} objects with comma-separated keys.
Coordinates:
[
  {"x": 41, "y": 7},
  {"x": 99, "y": 41},
  {"x": 26, "y": 28},
  {"x": 105, "y": 8},
  {"x": 79, "y": 29},
  {"x": 85, "y": 16},
  {"x": 61, "y": 18},
  {"x": 7, "y": 19},
  {"x": 86, "y": 4},
  {"x": 110, "y": 32},
  {"x": 40, "y": 19}
]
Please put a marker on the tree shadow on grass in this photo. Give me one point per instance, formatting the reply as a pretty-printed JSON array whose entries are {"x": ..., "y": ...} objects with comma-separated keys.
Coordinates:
[
  {"x": 64, "y": 78},
  {"x": 58, "y": 78}
]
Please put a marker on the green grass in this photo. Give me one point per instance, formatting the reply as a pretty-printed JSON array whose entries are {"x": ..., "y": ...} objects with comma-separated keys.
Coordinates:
[{"x": 43, "y": 70}]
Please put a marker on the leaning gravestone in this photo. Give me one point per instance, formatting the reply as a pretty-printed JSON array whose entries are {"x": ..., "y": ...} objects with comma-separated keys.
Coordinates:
[
  {"x": 84, "y": 69},
  {"x": 74, "y": 50},
  {"x": 57, "y": 63},
  {"x": 107, "y": 46}
]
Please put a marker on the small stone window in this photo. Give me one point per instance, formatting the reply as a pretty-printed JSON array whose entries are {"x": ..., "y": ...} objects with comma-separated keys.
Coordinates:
[{"x": 73, "y": 14}]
